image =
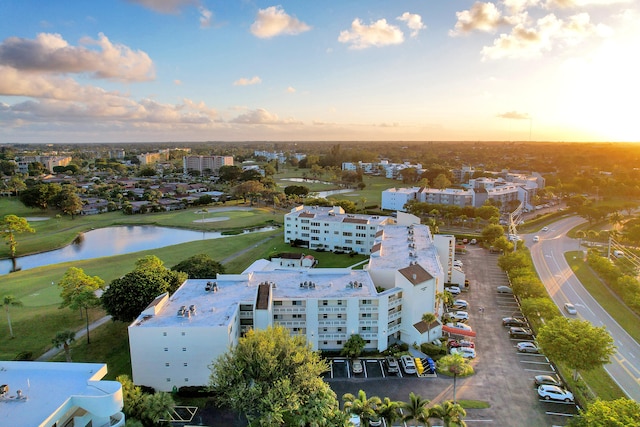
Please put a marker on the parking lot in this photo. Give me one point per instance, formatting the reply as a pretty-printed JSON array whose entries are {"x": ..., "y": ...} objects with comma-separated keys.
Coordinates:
[{"x": 504, "y": 377}]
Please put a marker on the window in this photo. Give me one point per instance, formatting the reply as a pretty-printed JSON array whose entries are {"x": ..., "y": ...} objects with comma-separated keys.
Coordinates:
[
  {"x": 184, "y": 333},
  {"x": 325, "y": 302},
  {"x": 339, "y": 342},
  {"x": 325, "y": 316},
  {"x": 184, "y": 348},
  {"x": 186, "y": 364},
  {"x": 164, "y": 334},
  {"x": 339, "y": 329},
  {"x": 347, "y": 233},
  {"x": 276, "y": 316},
  {"x": 296, "y": 302},
  {"x": 366, "y": 302},
  {"x": 168, "y": 380},
  {"x": 325, "y": 342},
  {"x": 277, "y": 303},
  {"x": 361, "y": 227},
  {"x": 325, "y": 330},
  {"x": 186, "y": 380},
  {"x": 339, "y": 302},
  {"x": 348, "y": 241},
  {"x": 359, "y": 242},
  {"x": 297, "y": 316},
  {"x": 166, "y": 364},
  {"x": 166, "y": 349},
  {"x": 339, "y": 316},
  {"x": 315, "y": 238}
]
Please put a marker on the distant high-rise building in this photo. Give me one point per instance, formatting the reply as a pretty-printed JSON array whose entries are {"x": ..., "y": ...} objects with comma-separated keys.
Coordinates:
[{"x": 205, "y": 164}]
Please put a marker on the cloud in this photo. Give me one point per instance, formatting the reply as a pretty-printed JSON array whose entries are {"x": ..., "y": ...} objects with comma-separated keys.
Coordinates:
[
  {"x": 261, "y": 116},
  {"x": 205, "y": 17},
  {"x": 177, "y": 82},
  {"x": 517, "y": 6},
  {"x": 274, "y": 21},
  {"x": 482, "y": 16},
  {"x": 413, "y": 21},
  {"x": 514, "y": 115},
  {"x": 290, "y": 89},
  {"x": 378, "y": 34},
  {"x": 50, "y": 53},
  {"x": 548, "y": 32},
  {"x": 247, "y": 82},
  {"x": 164, "y": 6},
  {"x": 572, "y": 4}
]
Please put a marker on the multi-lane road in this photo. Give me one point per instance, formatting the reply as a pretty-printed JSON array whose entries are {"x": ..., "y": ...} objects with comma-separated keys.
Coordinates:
[{"x": 563, "y": 286}]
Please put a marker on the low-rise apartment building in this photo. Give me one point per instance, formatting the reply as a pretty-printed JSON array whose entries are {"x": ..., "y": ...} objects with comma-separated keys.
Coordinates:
[{"x": 176, "y": 338}]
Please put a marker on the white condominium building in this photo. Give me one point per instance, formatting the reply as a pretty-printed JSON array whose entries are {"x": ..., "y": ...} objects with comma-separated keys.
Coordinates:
[
  {"x": 331, "y": 229},
  {"x": 56, "y": 394},
  {"x": 204, "y": 164},
  {"x": 176, "y": 338}
]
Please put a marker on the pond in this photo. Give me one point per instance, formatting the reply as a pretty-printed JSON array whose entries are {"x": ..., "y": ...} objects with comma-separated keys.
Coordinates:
[{"x": 115, "y": 241}]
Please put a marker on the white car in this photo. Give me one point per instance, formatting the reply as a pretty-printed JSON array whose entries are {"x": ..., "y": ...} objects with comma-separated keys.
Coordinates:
[
  {"x": 459, "y": 325},
  {"x": 570, "y": 308},
  {"x": 356, "y": 366},
  {"x": 460, "y": 303},
  {"x": 548, "y": 392},
  {"x": 455, "y": 290},
  {"x": 460, "y": 316},
  {"x": 457, "y": 263},
  {"x": 527, "y": 347},
  {"x": 545, "y": 229},
  {"x": 354, "y": 420},
  {"x": 408, "y": 364},
  {"x": 466, "y": 352},
  {"x": 536, "y": 238}
]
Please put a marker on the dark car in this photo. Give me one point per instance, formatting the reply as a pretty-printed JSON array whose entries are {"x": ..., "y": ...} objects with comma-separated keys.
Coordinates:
[
  {"x": 513, "y": 321},
  {"x": 517, "y": 332},
  {"x": 546, "y": 379}
]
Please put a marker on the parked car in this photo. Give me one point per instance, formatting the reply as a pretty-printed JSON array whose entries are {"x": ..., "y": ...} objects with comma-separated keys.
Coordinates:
[
  {"x": 473, "y": 242},
  {"x": 545, "y": 229},
  {"x": 517, "y": 332},
  {"x": 554, "y": 392},
  {"x": 459, "y": 325},
  {"x": 461, "y": 343},
  {"x": 466, "y": 352},
  {"x": 536, "y": 238},
  {"x": 457, "y": 263},
  {"x": 455, "y": 290},
  {"x": 460, "y": 303},
  {"x": 570, "y": 308},
  {"x": 513, "y": 321},
  {"x": 539, "y": 380},
  {"x": 392, "y": 364},
  {"x": 354, "y": 420},
  {"x": 460, "y": 316},
  {"x": 375, "y": 421},
  {"x": 504, "y": 290},
  {"x": 527, "y": 347},
  {"x": 408, "y": 364},
  {"x": 356, "y": 366}
]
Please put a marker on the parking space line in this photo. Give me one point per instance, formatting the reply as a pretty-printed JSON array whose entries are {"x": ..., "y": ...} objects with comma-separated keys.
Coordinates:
[
  {"x": 534, "y": 363},
  {"x": 539, "y": 370}
]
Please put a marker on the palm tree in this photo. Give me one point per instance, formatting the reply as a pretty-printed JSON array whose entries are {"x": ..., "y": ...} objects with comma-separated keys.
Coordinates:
[
  {"x": 366, "y": 408},
  {"x": 10, "y": 301},
  {"x": 444, "y": 297},
  {"x": 457, "y": 365},
  {"x": 428, "y": 318},
  {"x": 158, "y": 406},
  {"x": 389, "y": 410},
  {"x": 416, "y": 409},
  {"x": 63, "y": 339},
  {"x": 450, "y": 413}
]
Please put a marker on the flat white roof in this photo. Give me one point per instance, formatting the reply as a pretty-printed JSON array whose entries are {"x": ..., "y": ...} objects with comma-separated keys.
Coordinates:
[
  {"x": 395, "y": 252},
  {"x": 47, "y": 386},
  {"x": 324, "y": 213},
  {"x": 216, "y": 308}
]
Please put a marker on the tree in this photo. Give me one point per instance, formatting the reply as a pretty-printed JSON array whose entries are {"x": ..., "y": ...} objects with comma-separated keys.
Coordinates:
[
  {"x": 9, "y": 227},
  {"x": 450, "y": 413},
  {"x": 78, "y": 292},
  {"x": 543, "y": 308},
  {"x": 68, "y": 201},
  {"x": 40, "y": 195},
  {"x": 63, "y": 339},
  {"x": 127, "y": 296},
  {"x": 455, "y": 365},
  {"x": 445, "y": 297},
  {"x": 366, "y": 408},
  {"x": 353, "y": 346},
  {"x": 621, "y": 412},
  {"x": 274, "y": 379},
  {"x": 200, "y": 266},
  {"x": 491, "y": 232},
  {"x": 576, "y": 343},
  {"x": 416, "y": 409},
  {"x": 296, "y": 190},
  {"x": 148, "y": 409},
  {"x": 10, "y": 301},
  {"x": 389, "y": 410},
  {"x": 441, "y": 182},
  {"x": 429, "y": 318}
]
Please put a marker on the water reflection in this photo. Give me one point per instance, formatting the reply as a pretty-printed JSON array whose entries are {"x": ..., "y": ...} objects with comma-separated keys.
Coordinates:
[{"x": 115, "y": 241}]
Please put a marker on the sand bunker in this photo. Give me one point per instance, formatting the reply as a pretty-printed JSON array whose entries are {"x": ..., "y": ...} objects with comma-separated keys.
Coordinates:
[{"x": 220, "y": 218}]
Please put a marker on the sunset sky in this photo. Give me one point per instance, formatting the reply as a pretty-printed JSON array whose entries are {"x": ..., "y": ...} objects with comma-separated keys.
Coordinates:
[{"x": 423, "y": 70}]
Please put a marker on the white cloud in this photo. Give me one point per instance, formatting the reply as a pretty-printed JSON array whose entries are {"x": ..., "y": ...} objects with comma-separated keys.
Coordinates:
[
  {"x": 378, "y": 34},
  {"x": 261, "y": 116},
  {"x": 413, "y": 21},
  {"x": 482, "y": 16},
  {"x": 50, "y": 53},
  {"x": 517, "y": 6},
  {"x": 205, "y": 17},
  {"x": 164, "y": 6},
  {"x": 274, "y": 21},
  {"x": 177, "y": 82},
  {"x": 571, "y": 4},
  {"x": 548, "y": 32},
  {"x": 514, "y": 115},
  {"x": 247, "y": 82},
  {"x": 291, "y": 89}
]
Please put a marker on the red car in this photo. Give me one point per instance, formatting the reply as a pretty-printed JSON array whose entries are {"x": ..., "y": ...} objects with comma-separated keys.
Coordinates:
[{"x": 461, "y": 343}]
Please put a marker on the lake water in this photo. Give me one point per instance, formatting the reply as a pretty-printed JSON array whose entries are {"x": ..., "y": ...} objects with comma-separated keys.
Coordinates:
[{"x": 115, "y": 241}]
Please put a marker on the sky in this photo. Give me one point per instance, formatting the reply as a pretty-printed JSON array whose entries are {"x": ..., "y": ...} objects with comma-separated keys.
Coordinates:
[{"x": 331, "y": 70}]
